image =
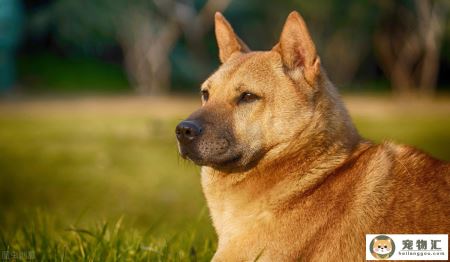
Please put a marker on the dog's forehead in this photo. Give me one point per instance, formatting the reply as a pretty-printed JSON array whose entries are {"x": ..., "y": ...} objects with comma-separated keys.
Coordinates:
[{"x": 244, "y": 69}]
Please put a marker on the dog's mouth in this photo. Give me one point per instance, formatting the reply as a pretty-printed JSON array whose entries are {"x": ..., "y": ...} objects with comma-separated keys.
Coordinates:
[
  {"x": 222, "y": 161},
  {"x": 232, "y": 160},
  {"x": 229, "y": 163}
]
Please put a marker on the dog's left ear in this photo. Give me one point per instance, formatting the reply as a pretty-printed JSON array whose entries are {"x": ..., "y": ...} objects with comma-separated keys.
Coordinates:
[
  {"x": 297, "y": 48},
  {"x": 228, "y": 42}
]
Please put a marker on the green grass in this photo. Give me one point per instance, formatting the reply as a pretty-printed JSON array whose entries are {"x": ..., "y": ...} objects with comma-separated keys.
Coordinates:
[
  {"x": 86, "y": 172},
  {"x": 43, "y": 239},
  {"x": 101, "y": 186}
]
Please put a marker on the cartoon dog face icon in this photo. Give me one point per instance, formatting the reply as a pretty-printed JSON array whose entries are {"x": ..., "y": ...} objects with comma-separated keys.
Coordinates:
[{"x": 382, "y": 247}]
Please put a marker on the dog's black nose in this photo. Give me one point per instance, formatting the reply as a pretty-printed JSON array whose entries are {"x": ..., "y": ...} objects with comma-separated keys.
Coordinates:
[{"x": 188, "y": 130}]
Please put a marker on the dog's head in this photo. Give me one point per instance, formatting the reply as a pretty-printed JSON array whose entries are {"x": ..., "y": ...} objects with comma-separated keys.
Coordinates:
[{"x": 256, "y": 102}]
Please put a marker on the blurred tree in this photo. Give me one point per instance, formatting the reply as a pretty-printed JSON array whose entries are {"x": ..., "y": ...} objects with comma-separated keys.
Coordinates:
[
  {"x": 148, "y": 40},
  {"x": 11, "y": 16},
  {"x": 146, "y": 31},
  {"x": 408, "y": 42}
]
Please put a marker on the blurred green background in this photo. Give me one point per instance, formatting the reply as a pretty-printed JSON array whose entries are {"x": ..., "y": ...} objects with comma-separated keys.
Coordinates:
[
  {"x": 91, "y": 91},
  {"x": 156, "y": 46}
]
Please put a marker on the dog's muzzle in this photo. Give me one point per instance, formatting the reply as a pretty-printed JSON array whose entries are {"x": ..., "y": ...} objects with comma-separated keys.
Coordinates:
[{"x": 206, "y": 144}]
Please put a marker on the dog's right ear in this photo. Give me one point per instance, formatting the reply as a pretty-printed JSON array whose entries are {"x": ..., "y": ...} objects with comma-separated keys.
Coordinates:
[{"x": 228, "y": 42}]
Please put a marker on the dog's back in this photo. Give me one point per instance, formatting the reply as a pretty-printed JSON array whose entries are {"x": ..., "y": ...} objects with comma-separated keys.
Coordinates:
[
  {"x": 421, "y": 202},
  {"x": 381, "y": 189}
]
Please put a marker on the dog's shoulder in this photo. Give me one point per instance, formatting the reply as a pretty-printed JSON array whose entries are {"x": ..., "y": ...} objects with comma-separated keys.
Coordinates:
[
  {"x": 377, "y": 170},
  {"x": 401, "y": 160},
  {"x": 415, "y": 163},
  {"x": 400, "y": 187}
]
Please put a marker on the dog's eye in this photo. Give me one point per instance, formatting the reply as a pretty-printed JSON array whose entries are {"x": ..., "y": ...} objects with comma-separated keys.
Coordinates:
[
  {"x": 385, "y": 246},
  {"x": 205, "y": 95},
  {"x": 379, "y": 246},
  {"x": 247, "y": 97}
]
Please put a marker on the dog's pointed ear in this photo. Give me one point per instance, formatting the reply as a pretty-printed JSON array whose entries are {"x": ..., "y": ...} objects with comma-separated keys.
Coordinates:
[
  {"x": 297, "y": 48},
  {"x": 228, "y": 42}
]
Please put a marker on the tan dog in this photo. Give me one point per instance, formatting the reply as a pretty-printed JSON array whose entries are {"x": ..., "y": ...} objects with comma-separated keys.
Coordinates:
[{"x": 285, "y": 173}]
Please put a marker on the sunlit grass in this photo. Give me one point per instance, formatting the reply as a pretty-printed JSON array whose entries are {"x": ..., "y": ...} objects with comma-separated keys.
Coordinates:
[
  {"x": 44, "y": 239},
  {"x": 77, "y": 171}
]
